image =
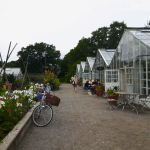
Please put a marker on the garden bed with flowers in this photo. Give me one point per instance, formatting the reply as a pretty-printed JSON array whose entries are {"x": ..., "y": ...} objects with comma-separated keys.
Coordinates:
[{"x": 14, "y": 106}]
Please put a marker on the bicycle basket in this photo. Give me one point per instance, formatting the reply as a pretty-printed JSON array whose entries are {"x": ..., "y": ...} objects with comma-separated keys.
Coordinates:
[{"x": 54, "y": 100}]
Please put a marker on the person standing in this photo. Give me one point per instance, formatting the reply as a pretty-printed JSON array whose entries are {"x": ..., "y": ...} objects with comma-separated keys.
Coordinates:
[{"x": 75, "y": 82}]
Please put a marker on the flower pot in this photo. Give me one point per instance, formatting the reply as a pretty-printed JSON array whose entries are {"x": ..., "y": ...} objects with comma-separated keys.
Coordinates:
[
  {"x": 99, "y": 92},
  {"x": 112, "y": 97}
]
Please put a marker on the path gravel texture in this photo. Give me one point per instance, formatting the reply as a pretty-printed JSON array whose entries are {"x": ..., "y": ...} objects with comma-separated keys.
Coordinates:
[{"x": 82, "y": 122}]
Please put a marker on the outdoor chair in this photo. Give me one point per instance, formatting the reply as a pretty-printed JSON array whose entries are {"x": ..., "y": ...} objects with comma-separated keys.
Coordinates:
[
  {"x": 142, "y": 103},
  {"x": 85, "y": 90},
  {"x": 111, "y": 104}
]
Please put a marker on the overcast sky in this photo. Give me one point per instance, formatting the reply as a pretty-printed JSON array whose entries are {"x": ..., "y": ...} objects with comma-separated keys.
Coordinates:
[{"x": 63, "y": 22}]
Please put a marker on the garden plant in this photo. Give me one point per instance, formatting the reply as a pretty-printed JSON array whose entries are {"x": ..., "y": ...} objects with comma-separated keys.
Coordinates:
[{"x": 14, "y": 107}]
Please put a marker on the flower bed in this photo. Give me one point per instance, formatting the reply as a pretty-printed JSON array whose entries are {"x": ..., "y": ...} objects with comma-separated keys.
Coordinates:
[{"x": 14, "y": 107}]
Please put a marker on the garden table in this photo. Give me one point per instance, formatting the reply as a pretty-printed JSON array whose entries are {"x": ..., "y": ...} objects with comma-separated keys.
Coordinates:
[{"x": 127, "y": 99}]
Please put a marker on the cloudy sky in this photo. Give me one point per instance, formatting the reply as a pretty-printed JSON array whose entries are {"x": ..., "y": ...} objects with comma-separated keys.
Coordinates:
[{"x": 63, "y": 22}]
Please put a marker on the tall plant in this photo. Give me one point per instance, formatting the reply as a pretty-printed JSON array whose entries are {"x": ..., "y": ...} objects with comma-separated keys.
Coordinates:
[{"x": 49, "y": 76}]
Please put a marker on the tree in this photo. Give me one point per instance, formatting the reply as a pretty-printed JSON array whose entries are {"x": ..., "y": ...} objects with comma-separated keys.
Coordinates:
[
  {"x": 100, "y": 38},
  {"x": 115, "y": 33},
  {"x": 38, "y": 56}
]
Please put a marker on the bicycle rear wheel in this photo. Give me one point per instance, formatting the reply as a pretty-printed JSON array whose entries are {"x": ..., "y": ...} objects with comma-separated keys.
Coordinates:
[{"x": 42, "y": 115}]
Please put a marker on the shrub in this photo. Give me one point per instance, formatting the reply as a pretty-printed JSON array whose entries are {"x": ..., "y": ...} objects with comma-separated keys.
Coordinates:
[
  {"x": 10, "y": 77},
  {"x": 3, "y": 91},
  {"x": 62, "y": 80},
  {"x": 56, "y": 83},
  {"x": 35, "y": 78},
  {"x": 49, "y": 76}
]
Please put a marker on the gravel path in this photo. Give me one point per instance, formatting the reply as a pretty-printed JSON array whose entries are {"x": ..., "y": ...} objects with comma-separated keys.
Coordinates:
[{"x": 81, "y": 122}]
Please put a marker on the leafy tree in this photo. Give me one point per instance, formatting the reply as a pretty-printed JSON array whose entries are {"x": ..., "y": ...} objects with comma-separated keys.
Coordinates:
[
  {"x": 115, "y": 33},
  {"x": 13, "y": 64},
  {"x": 100, "y": 38},
  {"x": 37, "y": 55}
]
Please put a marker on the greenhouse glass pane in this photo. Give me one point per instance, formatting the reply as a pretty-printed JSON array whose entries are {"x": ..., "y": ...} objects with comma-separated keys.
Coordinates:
[
  {"x": 148, "y": 91},
  {"x": 143, "y": 75},
  {"x": 143, "y": 50},
  {"x": 148, "y": 66},
  {"x": 113, "y": 76},
  {"x": 144, "y": 91},
  {"x": 143, "y": 83},
  {"x": 130, "y": 62},
  {"x": 149, "y": 83},
  {"x": 148, "y": 75},
  {"x": 148, "y": 50},
  {"x": 143, "y": 65},
  {"x": 114, "y": 72}
]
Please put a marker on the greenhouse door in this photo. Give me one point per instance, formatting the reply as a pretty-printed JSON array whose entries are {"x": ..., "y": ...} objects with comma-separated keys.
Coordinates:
[
  {"x": 129, "y": 79},
  {"x": 126, "y": 76}
]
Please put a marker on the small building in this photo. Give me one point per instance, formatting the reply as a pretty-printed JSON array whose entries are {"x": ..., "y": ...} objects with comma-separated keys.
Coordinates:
[{"x": 15, "y": 71}]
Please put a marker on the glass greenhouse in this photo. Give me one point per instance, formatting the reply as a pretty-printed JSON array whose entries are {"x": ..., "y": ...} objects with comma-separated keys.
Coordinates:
[
  {"x": 15, "y": 71},
  {"x": 132, "y": 59},
  {"x": 103, "y": 59}
]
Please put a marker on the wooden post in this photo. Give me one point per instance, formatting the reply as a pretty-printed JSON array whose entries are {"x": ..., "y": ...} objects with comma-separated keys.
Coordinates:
[
  {"x": 25, "y": 73},
  {"x": 5, "y": 74},
  {"x": 7, "y": 59},
  {"x": 4, "y": 64}
]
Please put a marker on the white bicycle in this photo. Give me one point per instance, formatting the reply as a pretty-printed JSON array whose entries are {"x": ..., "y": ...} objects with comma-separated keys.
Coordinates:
[{"x": 42, "y": 114}]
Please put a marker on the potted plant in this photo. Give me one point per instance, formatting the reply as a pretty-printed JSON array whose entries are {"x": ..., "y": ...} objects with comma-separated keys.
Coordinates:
[
  {"x": 112, "y": 95},
  {"x": 100, "y": 90}
]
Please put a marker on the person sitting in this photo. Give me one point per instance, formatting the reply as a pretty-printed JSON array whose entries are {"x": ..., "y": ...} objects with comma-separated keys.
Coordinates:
[
  {"x": 90, "y": 81},
  {"x": 95, "y": 82},
  {"x": 87, "y": 87},
  {"x": 44, "y": 88},
  {"x": 48, "y": 88},
  {"x": 40, "y": 94},
  {"x": 98, "y": 83}
]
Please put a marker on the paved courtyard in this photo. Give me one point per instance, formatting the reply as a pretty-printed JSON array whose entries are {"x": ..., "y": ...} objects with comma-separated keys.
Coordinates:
[{"x": 81, "y": 122}]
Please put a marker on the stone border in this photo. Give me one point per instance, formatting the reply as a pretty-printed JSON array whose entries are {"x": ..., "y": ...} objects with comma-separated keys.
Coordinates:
[{"x": 16, "y": 134}]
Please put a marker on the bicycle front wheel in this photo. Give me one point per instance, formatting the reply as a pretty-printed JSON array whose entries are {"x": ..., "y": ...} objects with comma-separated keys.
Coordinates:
[{"x": 42, "y": 115}]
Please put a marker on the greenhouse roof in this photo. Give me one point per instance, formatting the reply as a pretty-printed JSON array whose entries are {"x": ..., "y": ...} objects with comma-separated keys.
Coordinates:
[
  {"x": 143, "y": 34},
  {"x": 14, "y": 71},
  {"x": 91, "y": 61},
  {"x": 107, "y": 55},
  {"x": 83, "y": 65},
  {"x": 78, "y": 67}
]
